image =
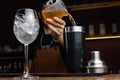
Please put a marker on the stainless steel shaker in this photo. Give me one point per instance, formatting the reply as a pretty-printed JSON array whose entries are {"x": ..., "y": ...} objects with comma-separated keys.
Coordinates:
[
  {"x": 74, "y": 42},
  {"x": 96, "y": 65}
]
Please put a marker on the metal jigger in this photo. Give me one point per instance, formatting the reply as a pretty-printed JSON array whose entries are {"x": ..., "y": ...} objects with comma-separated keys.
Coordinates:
[{"x": 96, "y": 65}]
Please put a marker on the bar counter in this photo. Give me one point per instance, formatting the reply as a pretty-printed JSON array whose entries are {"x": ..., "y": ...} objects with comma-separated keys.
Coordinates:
[{"x": 102, "y": 77}]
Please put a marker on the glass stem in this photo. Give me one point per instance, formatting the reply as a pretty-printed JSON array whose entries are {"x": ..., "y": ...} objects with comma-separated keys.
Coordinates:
[{"x": 26, "y": 66}]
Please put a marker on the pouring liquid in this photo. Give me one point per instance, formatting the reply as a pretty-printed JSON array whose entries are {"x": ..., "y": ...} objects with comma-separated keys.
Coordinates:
[
  {"x": 72, "y": 20},
  {"x": 59, "y": 14}
]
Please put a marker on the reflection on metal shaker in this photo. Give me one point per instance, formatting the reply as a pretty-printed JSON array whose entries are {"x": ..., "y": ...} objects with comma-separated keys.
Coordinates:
[
  {"x": 74, "y": 42},
  {"x": 96, "y": 65}
]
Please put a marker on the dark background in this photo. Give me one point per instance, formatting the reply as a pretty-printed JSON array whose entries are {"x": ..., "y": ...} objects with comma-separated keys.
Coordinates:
[{"x": 110, "y": 48}]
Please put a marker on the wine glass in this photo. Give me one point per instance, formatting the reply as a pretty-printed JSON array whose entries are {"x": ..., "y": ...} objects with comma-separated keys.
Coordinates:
[{"x": 26, "y": 28}]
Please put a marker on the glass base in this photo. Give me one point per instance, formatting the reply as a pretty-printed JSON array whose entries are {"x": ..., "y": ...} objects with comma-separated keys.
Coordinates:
[{"x": 26, "y": 77}]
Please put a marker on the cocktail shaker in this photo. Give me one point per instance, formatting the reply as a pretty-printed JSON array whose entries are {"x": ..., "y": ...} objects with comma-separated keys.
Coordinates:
[
  {"x": 96, "y": 65},
  {"x": 74, "y": 43}
]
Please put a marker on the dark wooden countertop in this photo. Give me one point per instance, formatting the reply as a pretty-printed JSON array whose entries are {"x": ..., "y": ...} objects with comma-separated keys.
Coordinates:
[{"x": 103, "y": 77}]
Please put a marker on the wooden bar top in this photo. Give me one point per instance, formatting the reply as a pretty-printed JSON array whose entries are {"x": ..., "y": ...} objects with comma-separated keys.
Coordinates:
[{"x": 103, "y": 77}]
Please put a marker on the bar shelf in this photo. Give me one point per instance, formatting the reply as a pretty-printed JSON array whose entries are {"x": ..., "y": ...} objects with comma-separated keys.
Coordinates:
[{"x": 94, "y": 6}]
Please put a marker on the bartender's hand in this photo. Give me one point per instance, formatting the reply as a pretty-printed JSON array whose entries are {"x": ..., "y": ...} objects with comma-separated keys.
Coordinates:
[{"x": 55, "y": 27}]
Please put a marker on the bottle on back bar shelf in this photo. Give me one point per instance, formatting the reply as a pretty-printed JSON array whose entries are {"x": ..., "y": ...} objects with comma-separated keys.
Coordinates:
[
  {"x": 114, "y": 24},
  {"x": 102, "y": 29},
  {"x": 91, "y": 30}
]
